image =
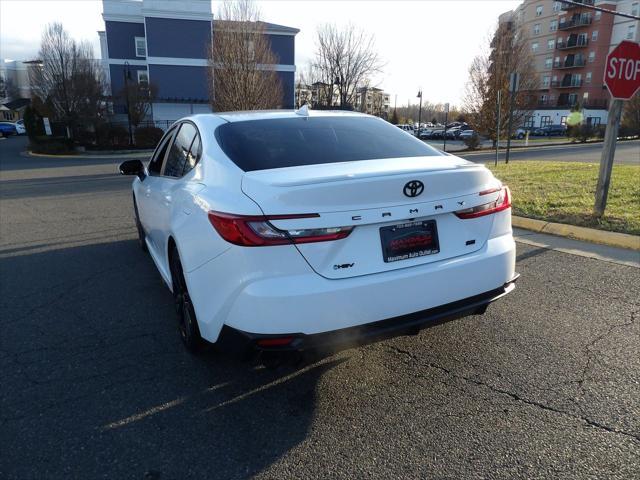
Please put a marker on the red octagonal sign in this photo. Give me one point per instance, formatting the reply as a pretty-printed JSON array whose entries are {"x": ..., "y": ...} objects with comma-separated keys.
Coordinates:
[{"x": 622, "y": 71}]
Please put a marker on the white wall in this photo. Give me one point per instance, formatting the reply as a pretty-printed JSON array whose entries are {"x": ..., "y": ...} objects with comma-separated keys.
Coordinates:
[
  {"x": 175, "y": 111},
  {"x": 557, "y": 114},
  {"x": 621, "y": 24}
]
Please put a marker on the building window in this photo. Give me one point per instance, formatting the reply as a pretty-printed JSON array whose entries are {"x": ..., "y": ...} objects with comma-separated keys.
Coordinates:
[
  {"x": 544, "y": 99},
  {"x": 630, "y": 32},
  {"x": 534, "y": 47},
  {"x": 598, "y": 14},
  {"x": 556, "y": 62},
  {"x": 548, "y": 62},
  {"x": 553, "y": 26},
  {"x": 545, "y": 120},
  {"x": 635, "y": 8},
  {"x": 143, "y": 76},
  {"x": 528, "y": 120},
  {"x": 587, "y": 77},
  {"x": 585, "y": 96},
  {"x": 546, "y": 81},
  {"x": 556, "y": 6},
  {"x": 536, "y": 29},
  {"x": 594, "y": 35},
  {"x": 551, "y": 44},
  {"x": 592, "y": 57},
  {"x": 141, "y": 47},
  {"x": 539, "y": 11},
  {"x": 563, "y": 120}
]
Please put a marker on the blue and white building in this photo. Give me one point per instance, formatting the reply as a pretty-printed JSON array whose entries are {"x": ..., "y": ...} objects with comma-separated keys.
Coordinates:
[{"x": 166, "y": 42}]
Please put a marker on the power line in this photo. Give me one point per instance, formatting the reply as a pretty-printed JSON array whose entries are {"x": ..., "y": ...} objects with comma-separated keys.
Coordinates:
[{"x": 600, "y": 9}]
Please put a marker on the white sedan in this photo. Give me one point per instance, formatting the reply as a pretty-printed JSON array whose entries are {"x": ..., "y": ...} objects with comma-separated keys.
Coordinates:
[{"x": 296, "y": 230}]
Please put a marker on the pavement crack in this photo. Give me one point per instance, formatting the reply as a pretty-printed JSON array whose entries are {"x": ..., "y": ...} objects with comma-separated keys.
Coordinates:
[{"x": 515, "y": 396}]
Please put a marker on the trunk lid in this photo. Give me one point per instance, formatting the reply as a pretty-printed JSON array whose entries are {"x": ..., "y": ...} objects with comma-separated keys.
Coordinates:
[{"x": 370, "y": 195}]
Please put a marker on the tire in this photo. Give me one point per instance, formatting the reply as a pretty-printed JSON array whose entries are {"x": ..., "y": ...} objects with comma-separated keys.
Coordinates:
[
  {"x": 187, "y": 321},
  {"x": 141, "y": 235}
]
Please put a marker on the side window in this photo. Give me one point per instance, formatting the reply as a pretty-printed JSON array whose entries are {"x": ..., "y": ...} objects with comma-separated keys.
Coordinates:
[
  {"x": 155, "y": 165},
  {"x": 194, "y": 155},
  {"x": 179, "y": 151}
]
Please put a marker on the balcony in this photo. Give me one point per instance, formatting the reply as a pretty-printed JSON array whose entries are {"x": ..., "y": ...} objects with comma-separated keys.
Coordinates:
[
  {"x": 575, "y": 22},
  {"x": 570, "y": 6},
  {"x": 580, "y": 43},
  {"x": 570, "y": 63},
  {"x": 567, "y": 83},
  {"x": 573, "y": 102}
]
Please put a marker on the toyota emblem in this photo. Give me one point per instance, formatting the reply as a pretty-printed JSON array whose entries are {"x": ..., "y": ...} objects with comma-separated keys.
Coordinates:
[{"x": 413, "y": 188}]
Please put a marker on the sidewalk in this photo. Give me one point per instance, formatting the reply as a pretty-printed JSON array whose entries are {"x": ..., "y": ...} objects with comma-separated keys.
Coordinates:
[
  {"x": 606, "y": 253},
  {"x": 142, "y": 154}
]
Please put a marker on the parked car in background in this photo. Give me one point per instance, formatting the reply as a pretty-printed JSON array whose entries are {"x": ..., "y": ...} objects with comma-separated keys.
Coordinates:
[
  {"x": 290, "y": 232},
  {"x": 467, "y": 134},
  {"x": 521, "y": 132},
  {"x": 406, "y": 128},
  {"x": 452, "y": 133},
  {"x": 436, "y": 133},
  {"x": 551, "y": 130},
  {"x": 8, "y": 128},
  {"x": 20, "y": 128}
]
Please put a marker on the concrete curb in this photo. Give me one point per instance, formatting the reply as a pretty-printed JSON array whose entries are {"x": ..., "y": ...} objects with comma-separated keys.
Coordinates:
[
  {"x": 106, "y": 154},
  {"x": 613, "y": 239}
]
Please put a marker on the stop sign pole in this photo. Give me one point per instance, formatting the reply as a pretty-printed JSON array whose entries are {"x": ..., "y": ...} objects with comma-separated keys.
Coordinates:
[{"x": 622, "y": 78}]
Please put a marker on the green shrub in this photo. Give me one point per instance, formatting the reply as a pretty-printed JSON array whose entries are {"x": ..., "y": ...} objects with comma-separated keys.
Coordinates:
[
  {"x": 50, "y": 145},
  {"x": 581, "y": 132},
  {"x": 148, "y": 136},
  {"x": 472, "y": 142},
  {"x": 33, "y": 123},
  {"x": 111, "y": 136}
]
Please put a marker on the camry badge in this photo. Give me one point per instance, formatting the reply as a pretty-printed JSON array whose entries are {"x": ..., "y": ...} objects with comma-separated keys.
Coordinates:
[{"x": 413, "y": 188}]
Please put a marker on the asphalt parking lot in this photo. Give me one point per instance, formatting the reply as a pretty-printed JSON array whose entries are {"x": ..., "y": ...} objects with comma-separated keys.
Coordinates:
[{"x": 95, "y": 382}]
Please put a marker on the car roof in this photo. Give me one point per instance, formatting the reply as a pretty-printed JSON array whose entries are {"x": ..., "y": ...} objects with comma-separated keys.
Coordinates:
[{"x": 273, "y": 114}]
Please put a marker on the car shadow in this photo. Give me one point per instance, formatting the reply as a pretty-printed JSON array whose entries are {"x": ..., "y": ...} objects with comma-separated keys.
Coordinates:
[
  {"x": 94, "y": 374},
  {"x": 65, "y": 185}
]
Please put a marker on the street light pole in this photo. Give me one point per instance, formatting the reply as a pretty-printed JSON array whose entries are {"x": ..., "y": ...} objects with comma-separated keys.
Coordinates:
[
  {"x": 419, "y": 112},
  {"x": 127, "y": 76},
  {"x": 446, "y": 119}
]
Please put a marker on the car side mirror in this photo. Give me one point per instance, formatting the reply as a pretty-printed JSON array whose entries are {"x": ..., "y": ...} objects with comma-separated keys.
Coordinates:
[{"x": 133, "y": 167}]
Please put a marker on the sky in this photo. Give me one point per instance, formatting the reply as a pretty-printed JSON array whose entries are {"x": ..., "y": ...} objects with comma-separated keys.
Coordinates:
[{"x": 426, "y": 44}]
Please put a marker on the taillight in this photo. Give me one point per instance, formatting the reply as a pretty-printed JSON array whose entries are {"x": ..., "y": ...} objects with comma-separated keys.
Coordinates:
[
  {"x": 501, "y": 203},
  {"x": 257, "y": 230}
]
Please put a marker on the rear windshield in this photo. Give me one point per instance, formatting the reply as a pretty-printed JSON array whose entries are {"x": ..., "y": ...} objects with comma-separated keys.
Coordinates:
[{"x": 290, "y": 142}]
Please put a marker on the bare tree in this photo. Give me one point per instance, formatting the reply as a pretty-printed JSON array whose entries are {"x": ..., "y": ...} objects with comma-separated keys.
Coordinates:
[
  {"x": 141, "y": 96},
  {"x": 631, "y": 115},
  {"x": 489, "y": 74},
  {"x": 67, "y": 78},
  {"x": 242, "y": 73},
  {"x": 346, "y": 58}
]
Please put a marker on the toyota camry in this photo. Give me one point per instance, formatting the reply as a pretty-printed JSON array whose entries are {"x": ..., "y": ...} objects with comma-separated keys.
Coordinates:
[{"x": 301, "y": 230}]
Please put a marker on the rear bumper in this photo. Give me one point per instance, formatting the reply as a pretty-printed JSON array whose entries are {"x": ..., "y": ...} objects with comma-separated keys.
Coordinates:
[{"x": 326, "y": 342}]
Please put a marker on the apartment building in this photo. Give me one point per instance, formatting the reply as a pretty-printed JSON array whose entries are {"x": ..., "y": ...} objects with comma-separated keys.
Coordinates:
[
  {"x": 569, "y": 44},
  {"x": 166, "y": 43},
  {"x": 373, "y": 101}
]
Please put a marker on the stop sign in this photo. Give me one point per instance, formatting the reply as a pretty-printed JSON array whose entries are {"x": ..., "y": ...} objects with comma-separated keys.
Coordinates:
[{"x": 622, "y": 70}]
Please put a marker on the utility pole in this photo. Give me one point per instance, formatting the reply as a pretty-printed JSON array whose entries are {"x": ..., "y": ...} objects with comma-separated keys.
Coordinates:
[
  {"x": 127, "y": 77},
  {"x": 514, "y": 82},
  {"x": 606, "y": 160},
  {"x": 446, "y": 119},
  {"x": 419, "y": 112},
  {"x": 498, "y": 128}
]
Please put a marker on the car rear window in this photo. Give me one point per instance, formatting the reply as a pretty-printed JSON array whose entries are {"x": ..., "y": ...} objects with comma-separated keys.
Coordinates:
[{"x": 289, "y": 142}]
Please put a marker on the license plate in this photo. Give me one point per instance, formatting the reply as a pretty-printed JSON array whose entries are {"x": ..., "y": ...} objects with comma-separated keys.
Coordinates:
[{"x": 409, "y": 240}]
